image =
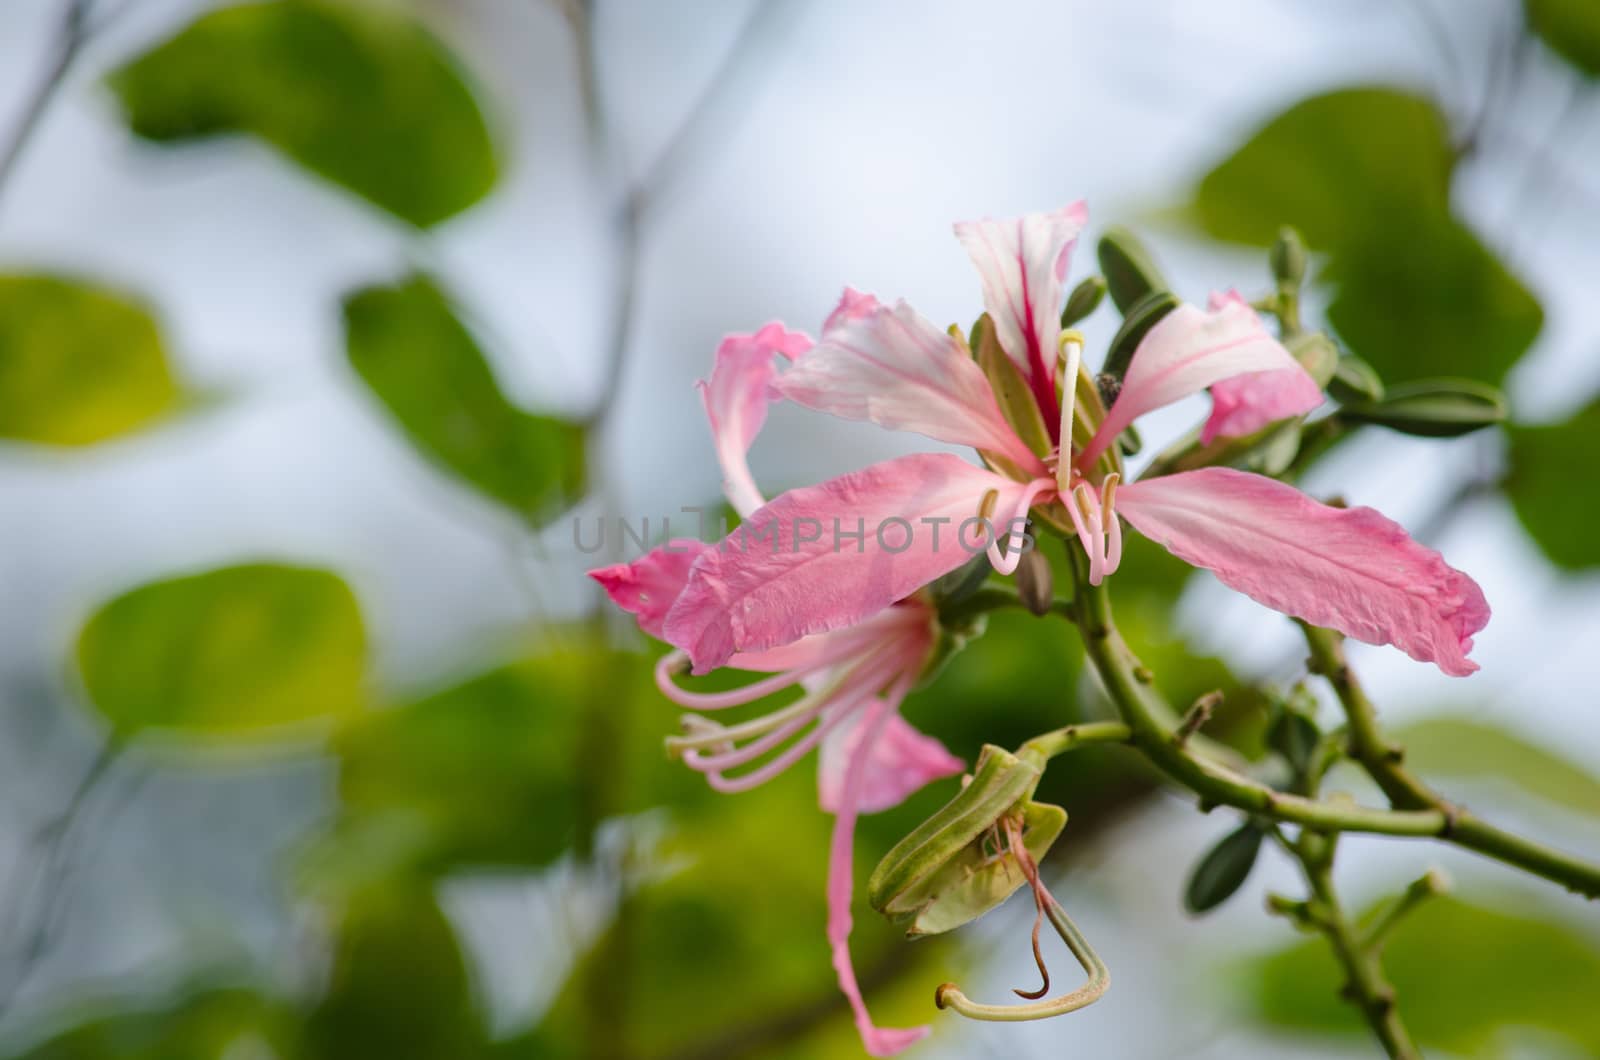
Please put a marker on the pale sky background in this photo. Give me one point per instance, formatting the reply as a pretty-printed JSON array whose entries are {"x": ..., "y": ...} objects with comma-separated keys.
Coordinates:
[{"x": 864, "y": 133}]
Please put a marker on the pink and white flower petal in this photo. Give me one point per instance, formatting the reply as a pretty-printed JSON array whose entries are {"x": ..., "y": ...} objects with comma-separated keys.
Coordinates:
[
  {"x": 900, "y": 762},
  {"x": 1352, "y": 569},
  {"x": 1022, "y": 262},
  {"x": 1191, "y": 349},
  {"x": 647, "y": 587},
  {"x": 756, "y": 591},
  {"x": 892, "y": 367},
  {"x": 736, "y": 398}
]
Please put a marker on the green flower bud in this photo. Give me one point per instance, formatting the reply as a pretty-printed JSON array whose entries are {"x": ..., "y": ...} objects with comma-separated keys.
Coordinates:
[
  {"x": 1084, "y": 299},
  {"x": 1130, "y": 270},
  {"x": 1137, "y": 321},
  {"x": 1317, "y": 355},
  {"x": 1288, "y": 258},
  {"x": 1354, "y": 380},
  {"x": 1433, "y": 408}
]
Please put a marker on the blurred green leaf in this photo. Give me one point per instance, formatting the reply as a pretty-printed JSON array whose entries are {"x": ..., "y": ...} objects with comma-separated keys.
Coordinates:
[
  {"x": 504, "y": 768},
  {"x": 1365, "y": 173},
  {"x": 357, "y": 94},
  {"x": 1552, "y": 468},
  {"x": 78, "y": 363},
  {"x": 1334, "y": 166},
  {"x": 228, "y": 653},
  {"x": 1463, "y": 974},
  {"x": 1571, "y": 28},
  {"x": 1223, "y": 869},
  {"x": 1475, "y": 750},
  {"x": 422, "y": 363},
  {"x": 1427, "y": 298},
  {"x": 205, "y": 1025},
  {"x": 398, "y": 988}
]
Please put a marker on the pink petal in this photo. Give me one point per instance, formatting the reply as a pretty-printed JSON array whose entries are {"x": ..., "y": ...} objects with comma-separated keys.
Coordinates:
[
  {"x": 892, "y": 367},
  {"x": 1192, "y": 349},
  {"x": 736, "y": 398},
  {"x": 899, "y": 762},
  {"x": 1349, "y": 569},
  {"x": 1246, "y": 403},
  {"x": 647, "y": 587},
  {"x": 853, "y": 305},
  {"x": 879, "y": 1041},
  {"x": 748, "y": 594},
  {"x": 1022, "y": 262}
]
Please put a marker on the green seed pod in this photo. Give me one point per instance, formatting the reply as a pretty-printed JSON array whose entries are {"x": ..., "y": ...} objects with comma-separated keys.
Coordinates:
[
  {"x": 1137, "y": 321},
  {"x": 1288, "y": 258},
  {"x": 1354, "y": 380},
  {"x": 1433, "y": 408},
  {"x": 1130, "y": 270},
  {"x": 949, "y": 870},
  {"x": 1317, "y": 355},
  {"x": 1084, "y": 299}
]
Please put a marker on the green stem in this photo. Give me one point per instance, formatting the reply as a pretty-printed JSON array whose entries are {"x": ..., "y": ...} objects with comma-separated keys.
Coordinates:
[
  {"x": 1046, "y": 746},
  {"x": 983, "y": 601},
  {"x": 1365, "y": 986},
  {"x": 1126, "y": 681},
  {"x": 1385, "y": 763}
]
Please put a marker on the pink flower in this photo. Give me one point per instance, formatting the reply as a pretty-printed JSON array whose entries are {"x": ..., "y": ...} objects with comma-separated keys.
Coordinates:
[
  {"x": 854, "y": 678},
  {"x": 1353, "y": 571}
]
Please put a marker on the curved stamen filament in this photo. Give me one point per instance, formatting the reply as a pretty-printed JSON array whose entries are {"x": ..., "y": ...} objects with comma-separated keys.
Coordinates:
[
  {"x": 1113, "y": 525},
  {"x": 1007, "y": 564},
  {"x": 835, "y": 709},
  {"x": 669, "y": 665}
]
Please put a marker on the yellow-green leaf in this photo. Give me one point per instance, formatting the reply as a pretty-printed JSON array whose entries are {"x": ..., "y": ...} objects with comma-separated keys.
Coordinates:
[
  {"x": 78, "y": 363},
  {"x": 229, "y": 653}
]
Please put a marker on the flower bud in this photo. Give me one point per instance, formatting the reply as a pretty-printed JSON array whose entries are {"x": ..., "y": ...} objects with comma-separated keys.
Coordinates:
[
  {"x": 1288, "y": 258},
  {"x": 1317, "y": 355},
  {"x": 1084, "y": 299},
  {"x": 1137, "y": 321},
  {"x": 1433, "y": 408},
  {"x": 1035, "y": 582},
  {"x": 1130, "y": 270},
  {"x": 1354, "y": 380}
]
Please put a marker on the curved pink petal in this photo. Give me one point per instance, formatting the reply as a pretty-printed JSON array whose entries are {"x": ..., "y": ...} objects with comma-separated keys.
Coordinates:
[
  {"x": 736, "y": 398},
  {"x": 1022, "y": 262},
  {"x": 879, "y": 1041},
  {"x": 1192, "y": 349},
  {"x": 796, "y": 567},
  {"x": 890, "y": 366},
  {"x": 647, "y": 587},
  {"x": 853, "y": 305},
  {"x": 1352, "y": 569},
  {"x": 900, "y": 761}
]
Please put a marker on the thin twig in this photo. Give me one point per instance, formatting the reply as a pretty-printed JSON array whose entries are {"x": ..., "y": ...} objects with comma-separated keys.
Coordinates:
[
  {"x": 52, "y": 868},
  {"x": 72, "y": 33}
]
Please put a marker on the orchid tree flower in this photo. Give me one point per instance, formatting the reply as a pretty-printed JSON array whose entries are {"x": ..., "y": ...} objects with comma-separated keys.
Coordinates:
[
  {"x": 854, "y": 678},
  {"x": 1353, "y": 570}
]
